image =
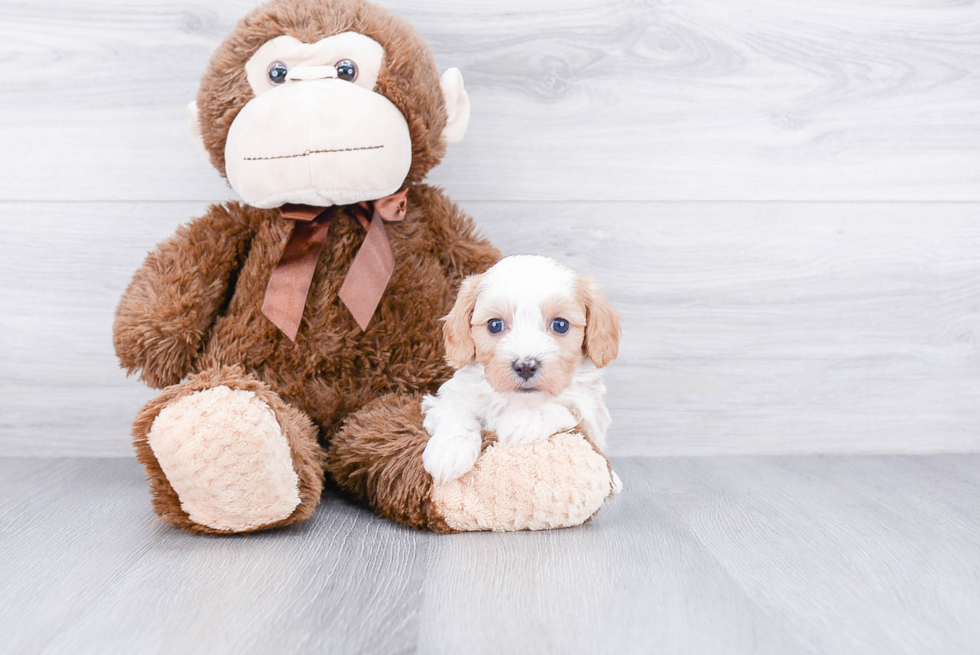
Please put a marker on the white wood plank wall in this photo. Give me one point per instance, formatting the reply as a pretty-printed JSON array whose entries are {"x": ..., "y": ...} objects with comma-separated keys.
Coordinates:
[{"x": 782, "y": 198}]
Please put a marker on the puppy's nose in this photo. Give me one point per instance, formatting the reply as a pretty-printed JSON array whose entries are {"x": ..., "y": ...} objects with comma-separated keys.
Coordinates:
[{"x": 526, "y": 367}]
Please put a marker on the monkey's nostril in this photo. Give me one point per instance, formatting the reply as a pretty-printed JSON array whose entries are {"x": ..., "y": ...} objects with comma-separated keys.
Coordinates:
[{"x": 526, "y": 368}]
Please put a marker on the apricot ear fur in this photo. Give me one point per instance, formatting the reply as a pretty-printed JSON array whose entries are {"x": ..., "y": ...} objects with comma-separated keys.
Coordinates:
[
  {"x": 602, "y": 324},
  {"x": 460, "y": 347}
]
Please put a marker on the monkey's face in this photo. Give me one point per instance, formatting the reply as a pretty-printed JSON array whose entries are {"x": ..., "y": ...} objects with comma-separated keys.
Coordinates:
[
  {"x": 316, "y": 133},
  {"x": 291, "y": 111}
]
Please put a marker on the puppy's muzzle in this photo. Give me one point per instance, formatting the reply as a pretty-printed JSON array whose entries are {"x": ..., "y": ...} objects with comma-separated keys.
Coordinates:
[{"x": 526, "y": 367}]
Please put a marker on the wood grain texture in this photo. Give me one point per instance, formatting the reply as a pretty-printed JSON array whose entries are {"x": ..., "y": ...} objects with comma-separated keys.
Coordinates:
[
  {"x": 751, "y": 326},
  {"x": 607, "y": 100},
  {"x": 718, "y": 555},
  {"x": 773, "y": 327}
]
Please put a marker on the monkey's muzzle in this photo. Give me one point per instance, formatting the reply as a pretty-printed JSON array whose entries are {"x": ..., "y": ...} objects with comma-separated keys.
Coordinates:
[{"x": 317, "y": 140}]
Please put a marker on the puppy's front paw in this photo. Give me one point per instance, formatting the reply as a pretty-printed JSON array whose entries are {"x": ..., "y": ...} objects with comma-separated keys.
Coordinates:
[{"x": 446, "y": 459}]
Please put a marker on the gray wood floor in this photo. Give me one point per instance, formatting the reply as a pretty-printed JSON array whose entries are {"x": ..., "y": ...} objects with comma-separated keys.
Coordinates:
[
  {"x": 781, "y": 198},
  {"x": 603, "y": 100},
  {"x": 748, "y": 327},
  {"x": 844, "y": 554}
]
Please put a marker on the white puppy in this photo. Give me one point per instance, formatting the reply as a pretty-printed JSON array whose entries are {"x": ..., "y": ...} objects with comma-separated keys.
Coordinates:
[{"x": 527, "y": 338}]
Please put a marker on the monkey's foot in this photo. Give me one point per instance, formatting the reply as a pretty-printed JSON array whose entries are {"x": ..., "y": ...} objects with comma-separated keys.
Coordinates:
[
  {"x": 230, "y": 457},
  {"x": 556, "y": 483}
]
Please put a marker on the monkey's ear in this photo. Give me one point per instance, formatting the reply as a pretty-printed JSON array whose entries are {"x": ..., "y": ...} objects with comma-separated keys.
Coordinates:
[
  {"x": 196, "y": 131},
  {"x": 457, "y": 105}
]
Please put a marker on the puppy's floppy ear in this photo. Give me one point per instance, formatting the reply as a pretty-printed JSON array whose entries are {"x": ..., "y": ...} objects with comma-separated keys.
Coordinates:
[
  {"x": 602, "y": 327},
  {"x": 460, "y": 348}
]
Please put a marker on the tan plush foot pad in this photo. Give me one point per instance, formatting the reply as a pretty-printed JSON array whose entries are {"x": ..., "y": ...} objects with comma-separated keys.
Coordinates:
[
  {"x": 225, "y": 455},
  {"x": 556, "y": 483}
]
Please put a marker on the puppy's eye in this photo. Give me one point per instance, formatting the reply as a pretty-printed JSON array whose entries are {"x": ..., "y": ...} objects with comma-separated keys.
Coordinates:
[
  {"x": 346, "y": 70},
  {"x": 277, "y": 72},
  {"x": 559, "y": 325},
  {"x": 495, "y": 326}
]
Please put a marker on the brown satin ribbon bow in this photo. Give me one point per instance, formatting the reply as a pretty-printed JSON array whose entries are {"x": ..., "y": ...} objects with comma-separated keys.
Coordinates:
[{"x": 289, "y": 284}]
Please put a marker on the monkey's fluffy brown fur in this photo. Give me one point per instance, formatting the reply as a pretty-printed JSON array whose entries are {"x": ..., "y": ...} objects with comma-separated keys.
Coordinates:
[
  {"x": 408, "y": 77},
  {"x": 346, "y": 400}
]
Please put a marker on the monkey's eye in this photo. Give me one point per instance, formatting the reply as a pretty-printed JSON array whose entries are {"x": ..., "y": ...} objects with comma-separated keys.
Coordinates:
[
  {"x": 277, "y": 72},
  {"x": 346, "y": 70},
  {"x": 495, "y": 326},
  {"x": 559, "y": 325}
]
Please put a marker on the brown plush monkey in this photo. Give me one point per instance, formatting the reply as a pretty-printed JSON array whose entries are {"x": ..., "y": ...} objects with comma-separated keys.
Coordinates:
[{"x": 296, "y": 332}]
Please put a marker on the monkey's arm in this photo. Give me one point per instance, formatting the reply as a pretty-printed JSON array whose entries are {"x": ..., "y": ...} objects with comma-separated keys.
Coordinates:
[
  {"x": 462, "y": 250},
  {"x": 174, "y": 297}
]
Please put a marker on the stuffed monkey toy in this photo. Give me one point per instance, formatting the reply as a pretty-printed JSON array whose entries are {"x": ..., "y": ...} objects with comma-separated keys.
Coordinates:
[{"x": 294, "y": 333}]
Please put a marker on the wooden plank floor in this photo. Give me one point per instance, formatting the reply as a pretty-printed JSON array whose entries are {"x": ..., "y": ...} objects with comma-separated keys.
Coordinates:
[
  {"x": 572, "y": 99},
  {"x": 781, "y": 198},
  {"x": 804, "y": 554},
  {"x": 748, "y": 327}
]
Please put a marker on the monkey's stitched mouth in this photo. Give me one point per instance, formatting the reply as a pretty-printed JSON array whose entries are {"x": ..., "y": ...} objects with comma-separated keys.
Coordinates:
[{"x": 312, "y": 152}]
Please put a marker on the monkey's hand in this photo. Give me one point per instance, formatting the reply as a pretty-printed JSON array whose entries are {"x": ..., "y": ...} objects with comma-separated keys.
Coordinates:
[{"x": 175, "y": 295}]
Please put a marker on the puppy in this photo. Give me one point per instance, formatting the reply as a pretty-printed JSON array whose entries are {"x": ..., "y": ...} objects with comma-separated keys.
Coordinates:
[{"x": 527, "y": 338}]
